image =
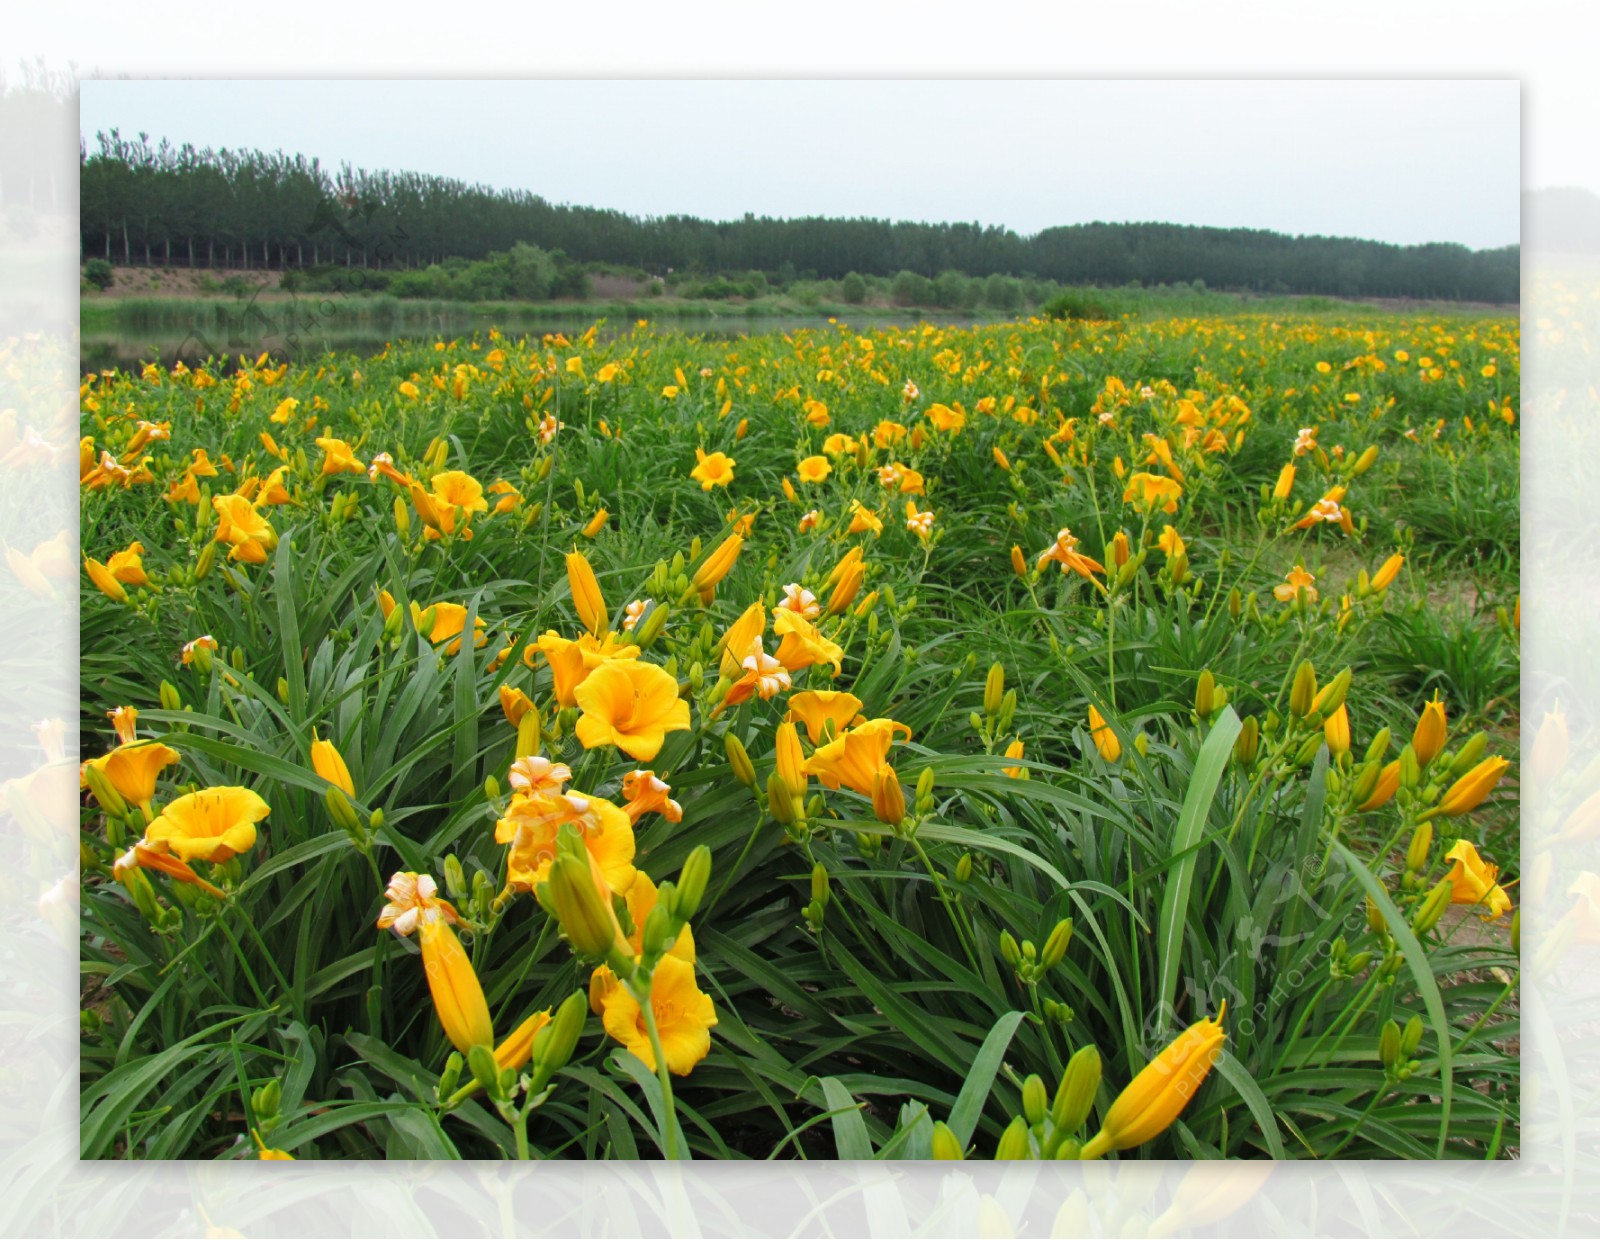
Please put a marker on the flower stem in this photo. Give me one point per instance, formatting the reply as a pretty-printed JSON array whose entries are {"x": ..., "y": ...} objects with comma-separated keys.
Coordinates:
[{"x": 671, "y": 1137}]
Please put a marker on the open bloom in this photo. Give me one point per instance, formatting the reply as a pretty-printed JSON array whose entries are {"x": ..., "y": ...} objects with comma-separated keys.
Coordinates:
[
  {"x": 1064, "y": 551},
  {"x": 1156, "y": 1097},
  {"x": 1152, "y": 491},
  {"x": 683, "y": 1013},
  {"x": 853, "y": 760},
  {"x": 820, "y": 708},
  {"x": 214, "y": 824},
  {"x": 814, "y": 469},
  {"x": 536, "y": 773},
  {"x": 128, "y": 566},
  {"x": 801, "y": 601},
  {"x": 1473, "y": 881},
  {"x": 1296, "y": 580},
  {"x": 449, "y": 619},
  {"x": 646, "y": 792},
  {"x": 249, "y": 533},
  {"x": 801, "y": 644},
  {"x": 864, "y": 520},
  {"x": 532, "y": 826},
  {"x": 763, "y": 675},
  {"x": 715, "y": 470},
  {"x": 632, "y": 705},
  {"x": 132, "y": 769},
  {"x": 337, "y": 458},
  {"x": 571, "y": 662}
]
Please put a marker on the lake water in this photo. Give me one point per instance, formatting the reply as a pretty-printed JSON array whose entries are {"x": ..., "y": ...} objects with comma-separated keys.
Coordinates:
[{"x": 283, "y": 336}]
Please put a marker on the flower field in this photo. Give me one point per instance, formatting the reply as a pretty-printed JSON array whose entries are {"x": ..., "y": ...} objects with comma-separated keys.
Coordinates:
[{"x": 1043, "y": 740}]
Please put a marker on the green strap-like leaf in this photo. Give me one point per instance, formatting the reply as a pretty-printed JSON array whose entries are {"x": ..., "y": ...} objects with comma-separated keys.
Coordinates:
[
  {"x": 1417, "y": 959},
  {"x": 969, "y": 1104},
  {"x": 1208, "y": 769}
]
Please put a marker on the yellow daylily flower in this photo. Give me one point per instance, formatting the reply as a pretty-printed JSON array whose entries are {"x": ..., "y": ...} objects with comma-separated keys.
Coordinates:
[
  {"x": 684, "y": 1016},
  {"x": 632, "y": 705},
  {"x": 214, "y": 824}
]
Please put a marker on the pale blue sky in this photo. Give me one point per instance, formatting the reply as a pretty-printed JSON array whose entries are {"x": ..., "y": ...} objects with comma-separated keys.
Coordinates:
[{"x": 1405, "y": 162}]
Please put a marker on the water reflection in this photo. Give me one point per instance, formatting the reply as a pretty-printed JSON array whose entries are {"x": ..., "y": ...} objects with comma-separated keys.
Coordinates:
[{"x": 288, "y": 334}]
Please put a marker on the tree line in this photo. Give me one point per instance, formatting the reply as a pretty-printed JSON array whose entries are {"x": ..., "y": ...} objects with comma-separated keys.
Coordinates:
[{"x": 252, "y": 209}]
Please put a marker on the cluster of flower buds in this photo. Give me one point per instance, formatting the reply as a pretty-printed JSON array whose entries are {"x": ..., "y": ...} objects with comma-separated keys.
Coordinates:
[
  {"x": 1396, "y": 1046},
  {"x": 1032, "y": 963}
]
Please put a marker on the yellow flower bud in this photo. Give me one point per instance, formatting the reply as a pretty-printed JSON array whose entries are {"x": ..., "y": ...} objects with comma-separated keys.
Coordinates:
[
  {"x": 1387, "y": 572},
  {"x": 586, "y": 596},
  {"x": 1154, "y": 1098},
  {"x": 994, "y": 688},
  {"x": 457, "y": 993},
  {"x": 329, "y": 763},
  {"x": 791, "y": 760},
  {"x": 888, "y": 801},
  {"x": 739, "y": 758},
  {"x": 1470, "y": 791},
  {"x": 1304, "y": 691},
  {"x": 1105, "y": 740},
  {"x": 945, "y": 1145},
  {"x": 1336, "y": 731},
  {"x": 1429, "y": 737}
]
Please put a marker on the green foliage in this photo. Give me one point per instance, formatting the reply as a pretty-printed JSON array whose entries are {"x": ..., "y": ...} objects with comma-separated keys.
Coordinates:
[
  {"x": 98, "y": 273},
  {"x": 255, "y": 209},
  {"x": 902, "y": 1000}
]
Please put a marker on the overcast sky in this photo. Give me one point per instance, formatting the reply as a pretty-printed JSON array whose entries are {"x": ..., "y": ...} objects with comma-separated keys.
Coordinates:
[{"x": 1404, "y": 162}]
